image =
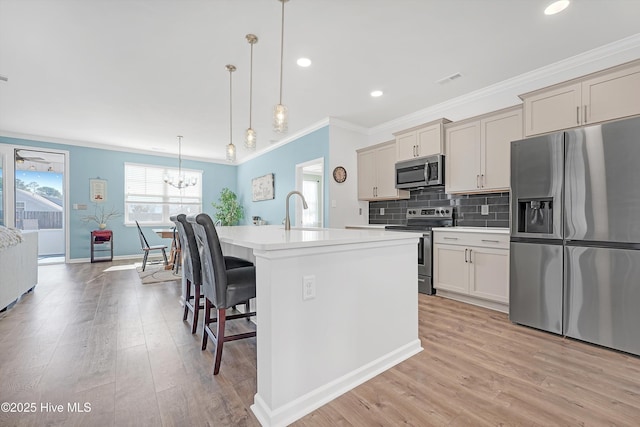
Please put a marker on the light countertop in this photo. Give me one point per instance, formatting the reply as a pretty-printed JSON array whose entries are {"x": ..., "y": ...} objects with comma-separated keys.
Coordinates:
[
  {"x": 366, "y": 226},
  {"x": 275, "y": 237},
  {"x": 493, "y": 230}
]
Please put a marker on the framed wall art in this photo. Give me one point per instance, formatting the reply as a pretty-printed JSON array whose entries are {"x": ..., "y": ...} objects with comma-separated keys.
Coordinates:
[
  {"x": 262, "y": 188},
  {"x": 98, "y": 190}
]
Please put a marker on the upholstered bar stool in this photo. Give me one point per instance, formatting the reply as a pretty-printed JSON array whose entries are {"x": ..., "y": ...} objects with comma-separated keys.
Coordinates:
[
  {"x": 191, "y": 268},
  {"x": 223, "y": 288}
]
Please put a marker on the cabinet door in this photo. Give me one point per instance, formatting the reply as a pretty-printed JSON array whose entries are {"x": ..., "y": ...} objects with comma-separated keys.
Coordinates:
[
  {"x": 553, "y": 110},
  {"x": 497, "y": 134},
  {"x": 611, "y": 96},
  {"x": 450, "y": 269},
  {"x": 429, "y": 140},
  {"x": 386, "y": 172},
  {"x": 489, "y": 273},
  {"x": 462, "y": 169},
  {"x": 366, "y": 175},
  {"x": 406, "y": 146}
]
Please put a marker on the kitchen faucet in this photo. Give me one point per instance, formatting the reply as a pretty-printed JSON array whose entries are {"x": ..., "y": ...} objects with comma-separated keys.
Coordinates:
[{"x": 287, "y": 221}]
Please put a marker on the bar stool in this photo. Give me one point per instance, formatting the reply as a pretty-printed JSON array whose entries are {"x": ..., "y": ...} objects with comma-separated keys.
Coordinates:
[
  {"x": 223, "y": 288},
  {"x": 191, "y": 268}
]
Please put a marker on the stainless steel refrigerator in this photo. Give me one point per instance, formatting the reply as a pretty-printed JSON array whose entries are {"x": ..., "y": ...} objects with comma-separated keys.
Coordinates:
[{"x": 575, "y": 234}]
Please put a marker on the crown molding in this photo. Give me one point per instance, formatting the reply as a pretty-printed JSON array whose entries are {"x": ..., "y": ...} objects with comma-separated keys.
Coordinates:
[
  {"x": 309, "y": 129},
  {"x": 616, "y": 53},
  {"x": 98, "y": 146}
]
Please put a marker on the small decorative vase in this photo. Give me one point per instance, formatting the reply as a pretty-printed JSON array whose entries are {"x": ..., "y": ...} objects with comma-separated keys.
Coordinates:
[{"x": 102, "y": 226}]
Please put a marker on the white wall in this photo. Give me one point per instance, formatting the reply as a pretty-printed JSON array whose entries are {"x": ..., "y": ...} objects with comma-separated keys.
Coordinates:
[{"x": 344, "y": 207}]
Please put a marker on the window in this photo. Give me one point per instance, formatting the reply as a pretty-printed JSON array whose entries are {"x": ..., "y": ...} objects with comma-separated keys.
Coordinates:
[{"x": 151, "y": 201}]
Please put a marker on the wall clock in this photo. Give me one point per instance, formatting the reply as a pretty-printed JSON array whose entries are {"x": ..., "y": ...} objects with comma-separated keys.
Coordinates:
[{"x": 340, "y": 174}]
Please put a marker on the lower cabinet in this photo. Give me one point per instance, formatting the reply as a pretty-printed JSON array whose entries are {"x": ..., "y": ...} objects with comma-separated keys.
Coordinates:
[{"x": 472, "y": 266}]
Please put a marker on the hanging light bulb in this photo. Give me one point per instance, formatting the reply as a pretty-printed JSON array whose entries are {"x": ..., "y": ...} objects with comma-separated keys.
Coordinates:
[
  {"x": 280, "y": 112},
  {"x": 180, "y": 181},
  {"x": 250, "y": 136},
  {"x": 231, "y": 149}
]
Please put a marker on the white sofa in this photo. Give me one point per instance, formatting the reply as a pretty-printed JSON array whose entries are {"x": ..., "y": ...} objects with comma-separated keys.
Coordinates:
[{"x": 18, "y": 268}]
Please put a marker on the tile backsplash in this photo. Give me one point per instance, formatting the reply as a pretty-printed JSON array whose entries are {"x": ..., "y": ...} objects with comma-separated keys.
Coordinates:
[{"x": 467, "y": 212}]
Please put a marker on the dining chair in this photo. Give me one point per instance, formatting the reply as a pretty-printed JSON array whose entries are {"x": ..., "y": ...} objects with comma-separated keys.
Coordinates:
[
  {"x": 223, "y": 288},
  {"x": 191, "y": 268},
  {"x": 146, "y": 248}
]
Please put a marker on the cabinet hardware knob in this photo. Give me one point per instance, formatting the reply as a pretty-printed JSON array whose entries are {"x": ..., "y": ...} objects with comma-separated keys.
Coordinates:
[
  {"x": 490, "y": 241},
  {"x": 465, "y": 255},
  {"x": 470, "y": 262},
  {"x": 450, "y": 238}
]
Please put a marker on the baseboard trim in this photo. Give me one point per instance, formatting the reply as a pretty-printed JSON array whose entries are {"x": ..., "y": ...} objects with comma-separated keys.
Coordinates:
[{"x": 311, "y": 401}]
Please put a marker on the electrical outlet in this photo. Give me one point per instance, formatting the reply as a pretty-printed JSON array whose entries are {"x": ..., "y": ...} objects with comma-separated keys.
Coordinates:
[
  {"x": 484, "y": 210},
  {"x": 381, "y": 211},
  {"x": 308, "y": 287}
]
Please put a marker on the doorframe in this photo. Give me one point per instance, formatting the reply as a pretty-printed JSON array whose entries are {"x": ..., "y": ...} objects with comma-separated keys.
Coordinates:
[
  {"x": 8, "y": 151},
  {"x": 299, "y": 179}
]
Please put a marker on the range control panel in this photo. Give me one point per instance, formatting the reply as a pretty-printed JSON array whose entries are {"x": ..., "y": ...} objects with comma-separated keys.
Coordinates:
[{"x": 439, "y": 212}]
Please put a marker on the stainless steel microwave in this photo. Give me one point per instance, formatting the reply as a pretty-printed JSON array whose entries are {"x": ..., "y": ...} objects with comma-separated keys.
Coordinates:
[{"x": 420, "y": 172}]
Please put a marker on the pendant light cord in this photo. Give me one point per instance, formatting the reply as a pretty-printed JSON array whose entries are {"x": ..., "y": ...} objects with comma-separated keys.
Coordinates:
[
  {"x": 179, "y": 156},
  {"x": 251, "y": 85},
  {"x": 281, "y": 48},
  {"x": 230, "y": 111}
]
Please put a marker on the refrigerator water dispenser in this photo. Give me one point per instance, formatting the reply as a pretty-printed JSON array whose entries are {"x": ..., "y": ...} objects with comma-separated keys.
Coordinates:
[{"x": 535, "y": 216}]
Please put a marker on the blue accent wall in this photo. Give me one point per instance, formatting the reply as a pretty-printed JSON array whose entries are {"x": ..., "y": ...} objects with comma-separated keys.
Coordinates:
[
  {"x": 281, "y": 162},
  {"x": 86, "y": 163}
]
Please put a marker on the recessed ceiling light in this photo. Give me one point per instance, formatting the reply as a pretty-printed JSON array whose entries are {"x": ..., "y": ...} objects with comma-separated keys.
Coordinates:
[
  {"x": 556, "y": 7},
  {"x": 303, "y": 62},
  {"x": 376, "y": 93}
]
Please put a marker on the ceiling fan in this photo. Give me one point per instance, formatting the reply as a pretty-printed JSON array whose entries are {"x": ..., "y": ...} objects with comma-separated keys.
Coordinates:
[{"x": 22, "y": 159}]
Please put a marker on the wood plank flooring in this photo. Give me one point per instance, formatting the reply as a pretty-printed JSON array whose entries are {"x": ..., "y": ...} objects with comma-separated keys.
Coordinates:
[{"x": 101, "y": 337}]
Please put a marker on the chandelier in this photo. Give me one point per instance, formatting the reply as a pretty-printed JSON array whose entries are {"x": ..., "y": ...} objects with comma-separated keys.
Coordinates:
[{"x": 180, "y": 181}]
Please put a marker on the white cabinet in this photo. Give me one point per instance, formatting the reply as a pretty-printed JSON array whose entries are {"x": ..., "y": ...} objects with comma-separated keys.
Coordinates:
[
  {"x": 472, "y": 267},
  {"x": 478, "y": 151},
  {"x": 424, "y": 140},
  {"x": 602, "y": 96},
  {"x": 376, "y": 173}
]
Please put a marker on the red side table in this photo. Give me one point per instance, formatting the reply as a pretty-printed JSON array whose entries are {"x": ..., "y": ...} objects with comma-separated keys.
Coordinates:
[{"x": 101, "y": 245}]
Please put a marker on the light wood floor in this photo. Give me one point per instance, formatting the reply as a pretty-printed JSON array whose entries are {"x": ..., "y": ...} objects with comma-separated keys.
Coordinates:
[{"x": 85, "y": 335}]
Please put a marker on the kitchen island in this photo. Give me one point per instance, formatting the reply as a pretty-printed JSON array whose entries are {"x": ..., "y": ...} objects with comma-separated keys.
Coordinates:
[{"x": 335, "y": 307}]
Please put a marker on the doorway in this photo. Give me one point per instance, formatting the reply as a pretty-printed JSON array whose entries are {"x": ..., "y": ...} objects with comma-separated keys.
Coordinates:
[
  {"x": 310, "y": 182},
  {"x": 39, "y": 200}
]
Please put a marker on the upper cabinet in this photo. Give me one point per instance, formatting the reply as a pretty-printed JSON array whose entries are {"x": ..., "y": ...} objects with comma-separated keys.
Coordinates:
[
  {"x": 478, "y": 151},
  {"x": 376, "y": 173},
  {"x": 598, "y": 97},
  {"x": 423, "y": 140}
]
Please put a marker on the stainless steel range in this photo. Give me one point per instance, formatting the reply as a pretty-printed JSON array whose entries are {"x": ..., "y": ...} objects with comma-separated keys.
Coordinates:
[{"x": 423, "y": 220}]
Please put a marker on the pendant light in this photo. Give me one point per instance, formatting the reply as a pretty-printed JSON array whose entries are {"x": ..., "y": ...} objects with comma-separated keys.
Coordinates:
[
  {"x": 280, "y": 112},
  {"x": 231, "y": 149},
  {"x": 250, "y": 135},
  {"x": 180, "y": 181}
]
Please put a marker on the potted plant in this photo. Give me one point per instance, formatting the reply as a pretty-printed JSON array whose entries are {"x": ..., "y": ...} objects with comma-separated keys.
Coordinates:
[
  {"x": 101, "y": 216},
  {"x": 228, "y": 210}
]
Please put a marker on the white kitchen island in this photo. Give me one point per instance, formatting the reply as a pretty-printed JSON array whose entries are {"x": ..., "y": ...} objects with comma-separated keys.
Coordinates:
[{"x": 361, "y": 320}]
